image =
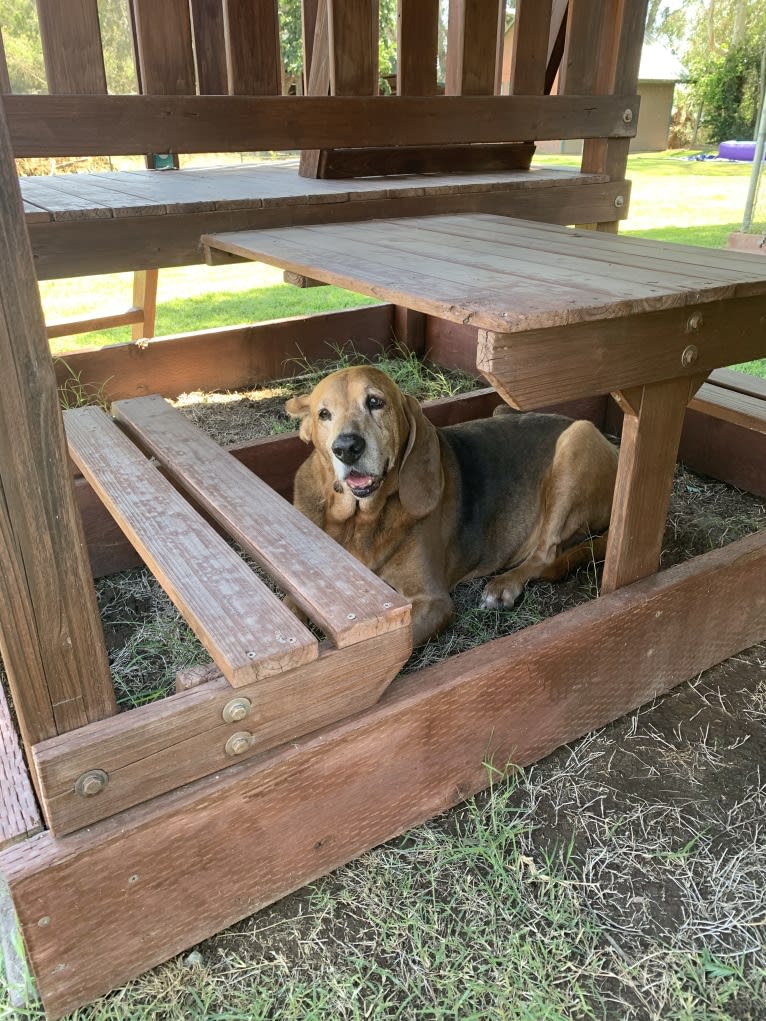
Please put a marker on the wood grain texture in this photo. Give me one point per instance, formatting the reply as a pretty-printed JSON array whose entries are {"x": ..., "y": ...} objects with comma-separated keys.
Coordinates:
[
  {"x": 428, "y": 159},
  {"x": 225, "y": 359},
  {"x": 648, "y": 453},
  {"x": 73, "y": 248},
  {"x": 253, "y": 59},
  {"x": 353, "y": 37},
  {"x": 746, "y": 410},
  {"x": 417, "y": 45},
  {"x": 19, "y": 815},
  {"x": 51, "y": 639},
  {"x": 247, "y": 631},
  {"x": 163, "y": 746},
  {"x": 145, "y": 302},
  {"x": 164, "y": 52},
  {"x": 472, "y": 48},
  {"x": 125, "y": 125},
  {"x": 194, "y": 861},
  {"x": 71, "y": 40},
  {"x": 349, "y": 603},
  {"x": 531, "y": 46},
  {"x": 5, "y": 81},
  {"x": 209, "y": 47},
  {"x": 504, "y": 275}
]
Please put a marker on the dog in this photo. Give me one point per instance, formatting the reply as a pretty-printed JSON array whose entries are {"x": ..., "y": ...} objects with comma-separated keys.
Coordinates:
[{"x": 425, "y": 508}]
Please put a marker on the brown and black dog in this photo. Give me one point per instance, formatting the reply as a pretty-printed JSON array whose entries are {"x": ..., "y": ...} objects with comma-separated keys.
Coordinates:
[{"x": 426, "y": 508}]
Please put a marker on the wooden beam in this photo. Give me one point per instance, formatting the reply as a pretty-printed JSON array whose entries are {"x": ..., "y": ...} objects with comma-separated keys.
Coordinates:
[
  {"x": 417, "y": 45},
  {"x": 209, "y": 47},
  {"x": 70, "y": 327},
  {"x": 224, "y": 359},
  {"x": 145, "y": 302},
  {"x": 471, "y": 38},
  {"x": 531, "y": 39},
  {"x": 253, "y": 59},
  {"x": 51, "y": 639},
  {"x": 196, "y": 860},
  {"x": 165, "y": 53},
  {"x": 71, "y": 41},
  {"x": 125, "y": 125}
]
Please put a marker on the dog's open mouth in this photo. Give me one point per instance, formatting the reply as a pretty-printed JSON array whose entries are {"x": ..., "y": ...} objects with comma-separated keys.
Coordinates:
[{"x": 362, "y": 485}]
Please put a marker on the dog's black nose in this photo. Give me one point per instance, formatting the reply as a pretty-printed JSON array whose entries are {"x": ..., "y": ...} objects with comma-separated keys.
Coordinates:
[{"x": 349, "y": 447}]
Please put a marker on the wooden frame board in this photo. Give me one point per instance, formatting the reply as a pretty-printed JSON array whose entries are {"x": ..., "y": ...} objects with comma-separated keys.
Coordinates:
[{"x": 324, "y": 799}]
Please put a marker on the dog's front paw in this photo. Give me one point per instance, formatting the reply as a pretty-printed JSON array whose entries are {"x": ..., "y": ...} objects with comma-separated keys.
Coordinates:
[{"x": 501, "y": 593}]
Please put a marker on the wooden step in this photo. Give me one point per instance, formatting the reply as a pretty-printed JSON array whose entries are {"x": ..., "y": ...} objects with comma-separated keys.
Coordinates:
[
  {"x": 248, "y": 632},
  {"x": 741, "y": 408},
  {"x": 347, "y": 601}
]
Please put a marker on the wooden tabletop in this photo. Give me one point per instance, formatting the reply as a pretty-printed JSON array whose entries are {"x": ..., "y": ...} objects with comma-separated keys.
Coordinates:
[{"x": 503, "y": 274}]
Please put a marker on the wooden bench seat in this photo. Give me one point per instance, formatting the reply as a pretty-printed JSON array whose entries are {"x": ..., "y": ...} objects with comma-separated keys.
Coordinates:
[{"x": 130, "y": 220}]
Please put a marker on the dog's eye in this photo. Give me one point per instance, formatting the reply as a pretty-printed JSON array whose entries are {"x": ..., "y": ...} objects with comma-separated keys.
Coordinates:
[
  {"x": 375, "y": 403},
  {"x": 325, "y": 414}
]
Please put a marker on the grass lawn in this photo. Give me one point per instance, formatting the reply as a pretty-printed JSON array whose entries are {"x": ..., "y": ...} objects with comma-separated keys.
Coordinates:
[{"x": 673, "y": 199}]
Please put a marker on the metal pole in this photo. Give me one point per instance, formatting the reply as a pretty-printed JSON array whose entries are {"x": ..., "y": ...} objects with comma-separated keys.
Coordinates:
[{"x": 755, "y": 176}]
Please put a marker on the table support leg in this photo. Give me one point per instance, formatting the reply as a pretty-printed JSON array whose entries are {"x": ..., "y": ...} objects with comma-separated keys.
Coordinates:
[{"x": 651, "y": 432}]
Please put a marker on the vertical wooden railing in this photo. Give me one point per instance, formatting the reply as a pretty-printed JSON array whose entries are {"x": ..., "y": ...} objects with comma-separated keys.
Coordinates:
[{"x": 51, "y": 638}]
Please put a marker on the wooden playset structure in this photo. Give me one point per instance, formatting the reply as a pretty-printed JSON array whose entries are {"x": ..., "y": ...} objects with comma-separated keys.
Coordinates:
[{"x": 131, "y": 836}]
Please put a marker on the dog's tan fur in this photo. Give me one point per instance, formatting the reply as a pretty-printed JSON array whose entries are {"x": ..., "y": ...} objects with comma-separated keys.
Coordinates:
[{"x": 517, "y": 493}]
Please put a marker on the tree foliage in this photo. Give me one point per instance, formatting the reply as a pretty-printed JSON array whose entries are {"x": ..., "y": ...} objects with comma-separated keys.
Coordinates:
[{"x": 721, "y": 43}]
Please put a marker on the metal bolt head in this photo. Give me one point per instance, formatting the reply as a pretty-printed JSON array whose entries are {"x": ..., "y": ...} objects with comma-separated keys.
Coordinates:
[
  {"x": 695, "y": 322},
  {"x": 689, "y": 355},
  {"x": 619, "y": 201},
  {"x": 236, "y": 709},
  {"x": 91, "y": 783},
  {"x": 628, "y": 116},
  {"x": 239, "y": 743}
]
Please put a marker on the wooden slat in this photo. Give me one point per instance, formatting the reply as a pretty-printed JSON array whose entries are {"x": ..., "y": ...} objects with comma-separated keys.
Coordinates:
[
  {"x": 417, "y": 45},
  {"x": 253, "y": 60},
  {"x": 247, "y": 631},
  {"x": 157, "y": 748},
  {"x": 346, "y": 600},
  {"x": 472, "y": 48},
  {"x": 588, "y": 22},
  {"x": 353, "y": 36},
  {"x": 531, "y": 47},
  {"x": 51, "y": 638},
  {"x": 5, "y": 81},
  {"x": 165, "y": 54},
  {"x": 144, "y": 302},
  {"x": 431, "y": 159},
  {"x": 72, "y": 248},
  {"x": 70, "y": 327},
  {"x": 742, "y": 382},
  {"x": 19, "y": 815},
  {"x": 309, "y": 14},
  {"x": 71, "y": 39},
  {"x": 731, "y": 406},
  {"x": 125, "y": 125},
  {"x": 209, "y": 47},
  {"x": 215, "y": 851}
]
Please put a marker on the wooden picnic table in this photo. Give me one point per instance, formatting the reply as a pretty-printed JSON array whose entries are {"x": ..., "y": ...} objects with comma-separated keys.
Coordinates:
[{"x": 561, "y": 313}]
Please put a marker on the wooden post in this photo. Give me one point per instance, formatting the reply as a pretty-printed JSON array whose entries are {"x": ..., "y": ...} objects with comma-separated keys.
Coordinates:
[
  {"x": 145, "y": 299},
  {"x": 50, "y": 633}
]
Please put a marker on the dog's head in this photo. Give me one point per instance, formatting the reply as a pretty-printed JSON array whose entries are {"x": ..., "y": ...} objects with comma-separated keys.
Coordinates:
[{"x": 374, "y": 437}]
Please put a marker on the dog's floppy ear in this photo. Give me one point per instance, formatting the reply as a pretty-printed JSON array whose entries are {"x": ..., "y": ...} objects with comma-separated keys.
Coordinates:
[
  {"x": 299, "y": 407},
  {"x": 421, "y": 479}
]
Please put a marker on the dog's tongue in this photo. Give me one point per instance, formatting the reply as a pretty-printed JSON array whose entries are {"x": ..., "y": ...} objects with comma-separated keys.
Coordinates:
[{"x": 357, "y": 481}]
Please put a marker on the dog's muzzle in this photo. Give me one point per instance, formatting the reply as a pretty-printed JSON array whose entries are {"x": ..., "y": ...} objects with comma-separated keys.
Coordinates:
[{"x": 349, "y": 447}]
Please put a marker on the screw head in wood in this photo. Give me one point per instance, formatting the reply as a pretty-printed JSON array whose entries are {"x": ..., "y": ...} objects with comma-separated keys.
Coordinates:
[
  {"x": 695, "y": 322},
  {"x": 91, "y": 783},
  {"x": 619, "y": 201},
  {"x": 239, "y": 743},
  {"x": 236, "y": 709},
  {"x": 628, "y": 116},
  {"x": 689, "y": 355}
]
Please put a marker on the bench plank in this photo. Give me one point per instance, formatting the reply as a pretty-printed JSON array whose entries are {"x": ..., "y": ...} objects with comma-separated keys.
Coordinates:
[
  {"x": 342, "y": 596},
  {"x": 248, "y": 632}
]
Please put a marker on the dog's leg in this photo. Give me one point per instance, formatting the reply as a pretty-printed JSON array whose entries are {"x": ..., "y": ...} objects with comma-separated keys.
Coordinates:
[
  {"x": 589, "y": 551},
  {"x": 430, "y": 614},
  {"x": 577, "y": 499}
]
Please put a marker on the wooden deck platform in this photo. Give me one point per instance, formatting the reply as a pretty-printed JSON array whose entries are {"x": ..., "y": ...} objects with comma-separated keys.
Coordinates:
[{"x": 111, "y": 222}]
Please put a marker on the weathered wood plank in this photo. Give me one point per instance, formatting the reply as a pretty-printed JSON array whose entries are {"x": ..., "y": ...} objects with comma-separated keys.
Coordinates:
[
  {"x": 51, "y": 639},
  {"x": 72, "y": 248},
  {"x": 165, "y": 54},
  {"x": 125, "y": 125},
  {"x": 430, "y": 159},
  {"x": 741, "y": 409},
  {"x": 190, "y": 863},
  {"x": 531, "y": 47},
  {"x": 224, "y": 359},
  {"x": 417, "y": 45},
  {"x": 349, "y": 603},
  {"x": 160, "y": 747},
  {"x": 71, "y": 40},
  {"x": 471, "y": 37},
  {"x": 209, "y": 47},
  {"x": 253, "y": 60},
  {"x": 19, "y": 815},
  {"x": 353, "y": 37},
  {"x": 247, "y": 631}
]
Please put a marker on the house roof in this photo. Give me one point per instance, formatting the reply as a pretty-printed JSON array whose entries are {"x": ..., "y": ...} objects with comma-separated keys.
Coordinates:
[{"x": 658, "y": 64}]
